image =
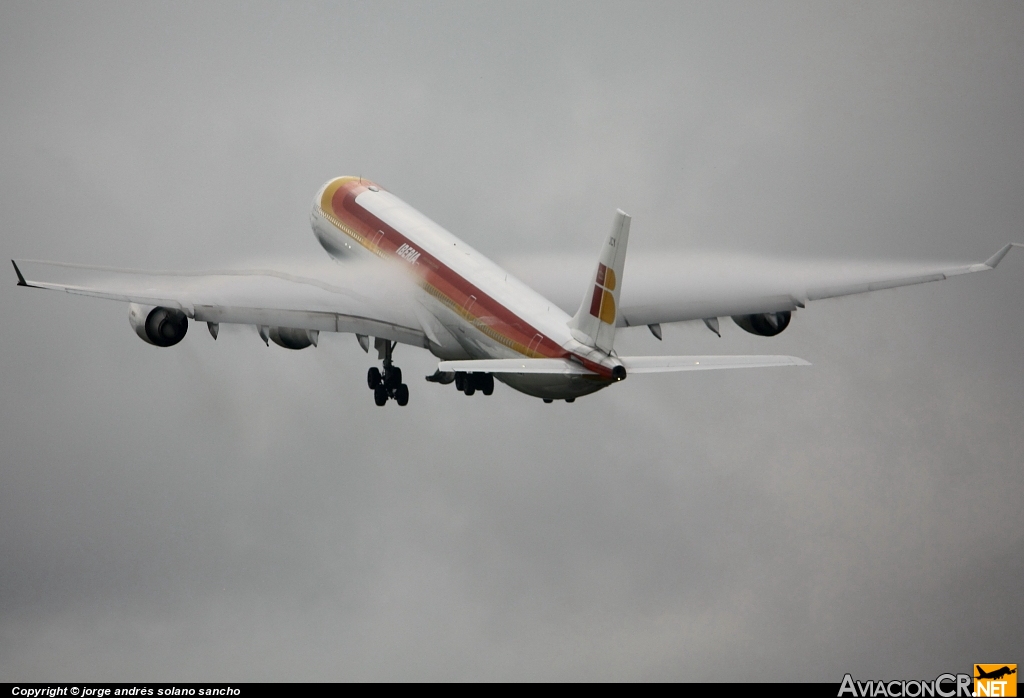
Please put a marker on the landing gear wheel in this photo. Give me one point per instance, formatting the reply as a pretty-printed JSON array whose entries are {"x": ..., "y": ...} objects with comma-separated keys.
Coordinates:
[
  {"x": 380, "y": 395},
  {"x": 548, "y": 401},
  {"x": 373, "y": 378},
  {"x": 460, "y": 381},
  {"x": 393, "y": 377},
  {"x": 402, "y": 395},
  {"x": 470, "y": 388},
  {"x": 487, "y": 384}
]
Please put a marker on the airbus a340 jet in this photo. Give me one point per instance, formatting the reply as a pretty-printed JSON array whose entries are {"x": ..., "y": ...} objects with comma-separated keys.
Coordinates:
[{"x": 479, "y": 320}]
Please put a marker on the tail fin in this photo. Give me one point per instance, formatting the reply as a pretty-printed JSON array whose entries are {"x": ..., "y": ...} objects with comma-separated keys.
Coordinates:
[{"x": 594, "y": 322}]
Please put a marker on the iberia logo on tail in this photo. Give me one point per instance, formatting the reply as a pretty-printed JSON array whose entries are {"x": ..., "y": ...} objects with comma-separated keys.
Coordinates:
[{"x": 602, "y": 305}]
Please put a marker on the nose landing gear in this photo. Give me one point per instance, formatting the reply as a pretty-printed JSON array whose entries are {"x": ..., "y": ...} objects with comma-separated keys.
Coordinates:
[{"x": 387, "y": 384}]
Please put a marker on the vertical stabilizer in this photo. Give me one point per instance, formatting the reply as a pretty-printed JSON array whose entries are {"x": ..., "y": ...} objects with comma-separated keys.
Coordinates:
[{"x": 594, "y": 323}]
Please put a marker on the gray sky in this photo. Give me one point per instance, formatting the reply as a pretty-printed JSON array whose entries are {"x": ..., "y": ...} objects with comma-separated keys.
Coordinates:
[{"x": 225, "y": 511}]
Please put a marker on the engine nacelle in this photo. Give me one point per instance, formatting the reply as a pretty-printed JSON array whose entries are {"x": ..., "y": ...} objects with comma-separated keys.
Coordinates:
[
  {"x": 291, "y": 338},
  {"x": 162, "y": 327},
  {"x": 764, "y": 324}
]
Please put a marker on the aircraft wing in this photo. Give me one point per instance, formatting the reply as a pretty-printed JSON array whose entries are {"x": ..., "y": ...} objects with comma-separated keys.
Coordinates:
[
  {"x": 343, "y": 300},
  {"x": 676, "y": 288}
]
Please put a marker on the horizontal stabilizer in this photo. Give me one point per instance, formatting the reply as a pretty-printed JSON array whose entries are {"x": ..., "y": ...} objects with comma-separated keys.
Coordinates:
[
  {"x": 632, "y": 364},
  {"x": 560, "y": 367},
  {"x": 669, "y": 364}
]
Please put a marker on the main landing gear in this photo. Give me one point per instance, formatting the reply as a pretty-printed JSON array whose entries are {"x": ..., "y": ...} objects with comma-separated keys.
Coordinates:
[
  {"x": 387, "y": 384},
  {"x": 469, "y": 383}
]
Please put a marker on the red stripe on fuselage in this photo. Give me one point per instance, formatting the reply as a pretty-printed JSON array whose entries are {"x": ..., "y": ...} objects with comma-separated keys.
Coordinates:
[{"x": 446, "y": 281}]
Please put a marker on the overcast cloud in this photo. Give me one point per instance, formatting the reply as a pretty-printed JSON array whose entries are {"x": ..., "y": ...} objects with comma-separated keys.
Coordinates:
[{"x": 225, "y": 511}]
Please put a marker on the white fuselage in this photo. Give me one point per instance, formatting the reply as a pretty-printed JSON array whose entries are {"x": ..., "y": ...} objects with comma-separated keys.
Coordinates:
[{"x": 474, "y": 308}]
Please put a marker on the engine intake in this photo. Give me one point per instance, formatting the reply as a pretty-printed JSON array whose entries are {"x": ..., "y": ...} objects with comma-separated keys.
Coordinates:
[
  {"x": 291, "y": 338},
  {"x": 764, "y": 324},
  {"x": 162, "y": 327}
]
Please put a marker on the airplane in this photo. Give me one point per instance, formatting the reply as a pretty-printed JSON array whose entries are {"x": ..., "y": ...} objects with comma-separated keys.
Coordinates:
[
  {"x": 426, "y": 288},
  {"x": 995, "y": 674}
]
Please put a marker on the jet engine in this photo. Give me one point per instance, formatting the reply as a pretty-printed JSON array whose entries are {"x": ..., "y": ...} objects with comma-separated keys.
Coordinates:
[
  {"x": 162, "y": 327},
  {"x": 291, "y": 338},
  {"x": 764, "y": 324}
]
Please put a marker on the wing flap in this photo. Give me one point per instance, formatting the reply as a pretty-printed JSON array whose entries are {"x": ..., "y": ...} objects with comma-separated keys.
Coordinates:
[
  {"x": 700, "y": 306},
  {"x": 851, "y": 289},
  {"x": 311, "y": 320}
]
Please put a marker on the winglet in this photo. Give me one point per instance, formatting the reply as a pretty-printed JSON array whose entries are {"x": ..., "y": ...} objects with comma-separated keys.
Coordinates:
[
  {"x": 21, "y": 279},
  {"x": 993, "y": 261}
]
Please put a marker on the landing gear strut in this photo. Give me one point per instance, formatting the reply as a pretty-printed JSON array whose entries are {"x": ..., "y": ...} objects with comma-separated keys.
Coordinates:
[{"x": 387, "y": 383}]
